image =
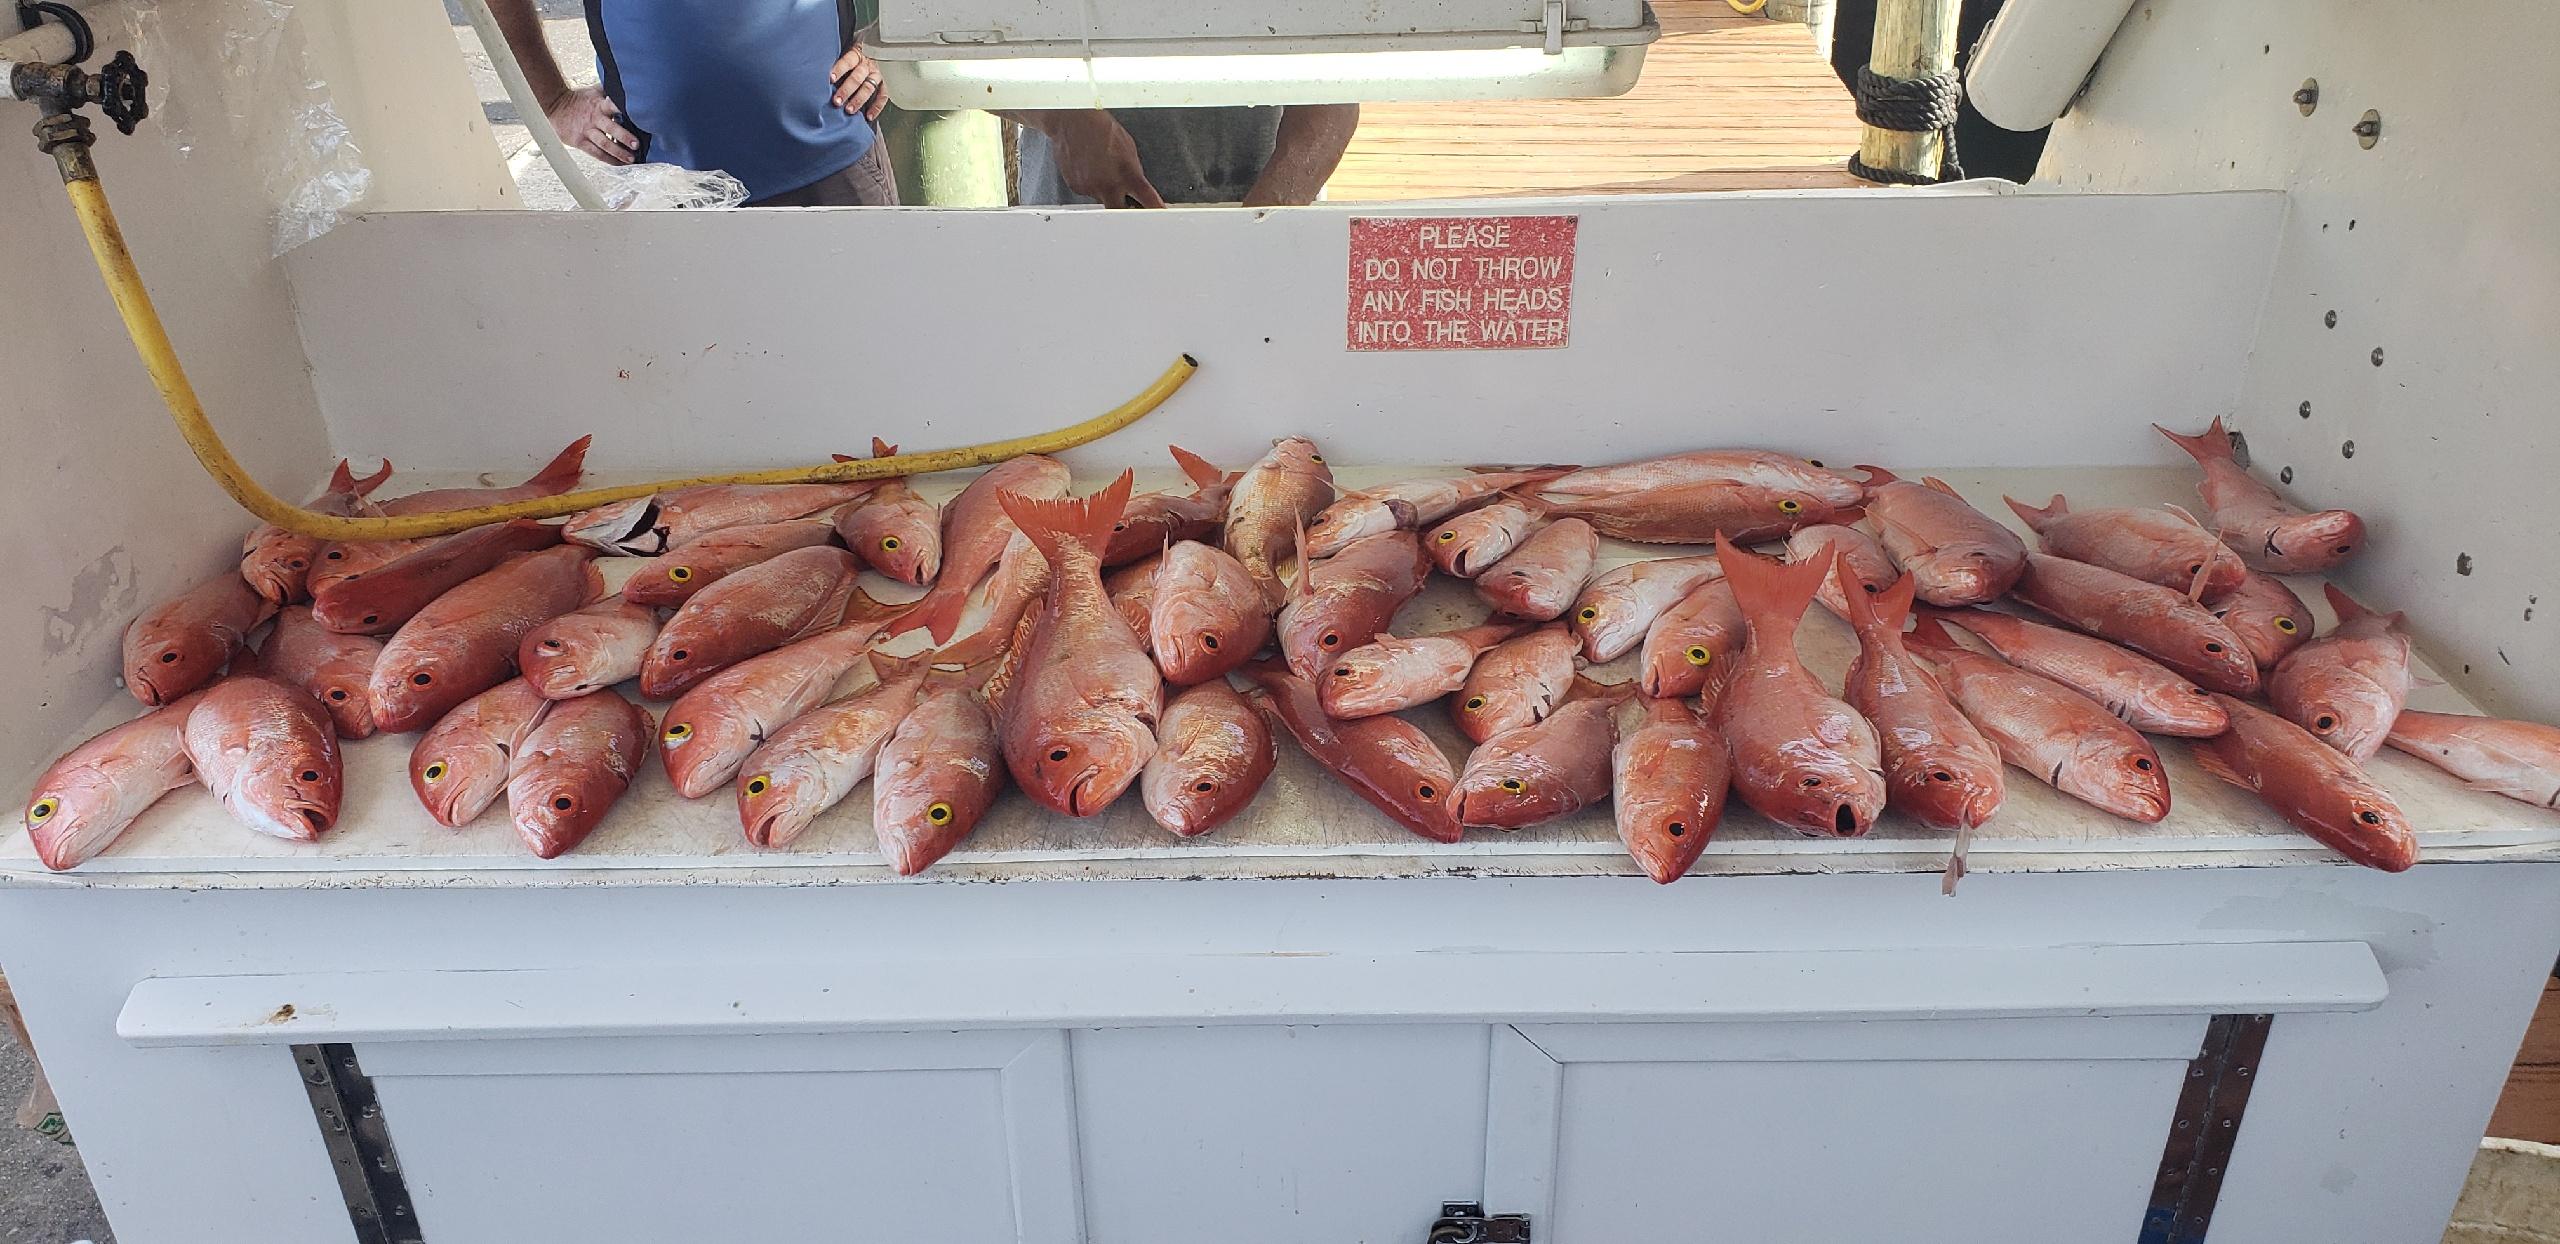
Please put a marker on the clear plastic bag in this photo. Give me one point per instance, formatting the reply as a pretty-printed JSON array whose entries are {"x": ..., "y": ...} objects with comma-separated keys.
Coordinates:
[{"x": 650, "y": 187}]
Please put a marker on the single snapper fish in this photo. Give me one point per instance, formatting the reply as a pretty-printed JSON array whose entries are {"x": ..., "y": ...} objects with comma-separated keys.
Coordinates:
[
  {"x": 465, "y": 641},
  {"x": 1668, "y": 782},
  {"x": 2166, "y": 546},
  {"x": 1272, "y": 503},
  {"x": 2067, "y": 740},
  {"x": 1520, "y": 681},
  {"x": 1693, "y": 640},
  {"x": 559, "y": 475},
  {"x": 1539, "y": 579},
  {"x": 1157, "y": 519},
  {"x": 710, "y": 730},
  {"x": 376, "y": 601},
  {"x": 1614, "y": 612},
  {"x": 347, "y": 559},
  {"x": 571, "y": 768},
  {"x": 1079, "y": 720},
  {"x": 2306, "y": 781},
  {"x": 1937, "y": 766},
  {"x": 2517, "y": 759},
  {"x": 2349, "y": 685},
  {"x": 336, "y": 669},
  {"x": 1871, "y": 571},
  {"x": 975, "y": 534},
  {"x": 1552, "y": 767},
  {"x": 936, "y": 776},
  {"x": 896, "y": 531},
  {"x": 763, "y": 607},
  {"x": 270, "y": 754},
  {"x": 1800, "y": 756},
  {"x": 1213, "y": 752},
  {"x": 2141, "y": 692},
  {"x": 1956, "y": 553},
  {"x": 96, "y": 790},
  {"x": 812, "y": 763},
  {"x": 460, "y": 766},
  {"x": 647, "y": 526},
  {"x": 1390, "y": 674},
  {"x": 671, "y": 578},
  {"x": 1204, "y": 614},
  {"x": 1387, "y": 761},
  {"x": 1690, "y": 498},
  {"x": 587, "y": 651},
  {"x": 276, "y": 563},
  {"x": 179, "y": 644},
  {"x": 1348, "y": 599},
  {"x": 1411, "y": 504},
  {"x": 2268, "y": 532},
  {"x": 1470, "y": 544},
  {"x": 2158, "y": 622},
  {"x": 2266, "y": 615}
]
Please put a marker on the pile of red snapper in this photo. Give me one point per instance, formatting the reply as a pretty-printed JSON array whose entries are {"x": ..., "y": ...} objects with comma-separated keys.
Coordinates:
[{"x": 1110, "y": 631}]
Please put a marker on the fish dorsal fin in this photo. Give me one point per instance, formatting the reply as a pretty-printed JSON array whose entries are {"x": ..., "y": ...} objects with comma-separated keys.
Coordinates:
[
  {"x": 2037, "y": 516},
  {"x": 1943, "y": 486},
  {"x": 2185, "y": 513}
]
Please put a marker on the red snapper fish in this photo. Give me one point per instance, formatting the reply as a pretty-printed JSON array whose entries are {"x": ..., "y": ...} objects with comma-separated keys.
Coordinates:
[
  {"x": 1271, "y": 504},
  {"x": 1412, "y": 503},
  {"x": 587, "y": 651},
  {"x": 336, "y": 669},
  {"x": 1614, "y": 612},
  {"x": 2268, "y": 532},
  {"x": 1870, "y": 569},
  {"x": 2266, "y": 615},
  {"x": 1348, "y": 599},
  {"x": 975, "y": 534},
  {"x": 812, "y": 763},
  {"x": 937, "y": 775},
  {"x": 1690, "y": 498},
  {"x": 460, "y": 766},
  {"x": 1470, "y": 543},
  {"x": 1800, "y": 757},
  {"x": 559, "y": 475},
  {"x": 2517, "y": 759},
  {"x": 672, "y": 578},
  {"x": 1669, "y": 778},
  {"x": 896, "y": 531},
  {"x": 96, "y": 790},
  {"x": 1683, "y": 647},
  {"x": 269, "y": 753},
  {"x": 758, "y": 609},
  {"x": 2141, "y": 692},
  {"x": 2158, "y": 622},
  {"x": 1520, "y": 681},
  {"x": 1205, "y": 616},
  {"x": 647, "y": 526},
  {"x": 347, "y": 559},
  {"x": 710, "y": 730},
  {"x": 1956, "y": 553},
  {"x": 2349, "y": 685},
  {"x": 2310, "y": 785},
  {"x": 2164, "y": 546},
  {"x": 1391, "y": 674},
  {"x": 465, "y": 641},
  {"x": 376, "y": 601},
  {"x": 1156, "y": 519},
  {"x": 1553, "y": 767},
  {"x": 1937, "y": 766},
  {"x": 1387, "y": 761},
  {"x": 1539, "y": 579},
  {"x": 179, "y": 644},
  {"x": 277, "y": 563},
  {"x": 1213, "y": 752},
  {"x": 1079, "y": 720},
  {"x": 2067, "y": 740},
  {"x": 571, "y": 768}
]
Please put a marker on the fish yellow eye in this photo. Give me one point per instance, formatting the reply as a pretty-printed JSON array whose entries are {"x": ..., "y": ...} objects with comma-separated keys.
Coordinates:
[
  {"x": 1475, "y": 703},
  {"x": 939, "y": 814},
  {"x": 42, "y": 811},
  {"x": 1588, "y": 612},
  {"x": 1790, "y": 506},
  {"x": 1447, "y": 536},
  {"x": 759, "y": 784},
  {"x": 678, "y": 732},
  {"x": 1514, "y": 785},
  {"x": 1317, "y": 459},
  {"x": 1699, "y": 656},
  {"x": 433, "y": 772},
  {"x": 681, "y": 574},
  {"x": 2286, "y": 625},
  {"x": 890, "y": 544}
]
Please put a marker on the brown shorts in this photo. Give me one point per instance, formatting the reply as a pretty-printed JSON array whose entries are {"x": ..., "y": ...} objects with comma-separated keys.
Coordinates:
[{"x": 867, "y": 182}]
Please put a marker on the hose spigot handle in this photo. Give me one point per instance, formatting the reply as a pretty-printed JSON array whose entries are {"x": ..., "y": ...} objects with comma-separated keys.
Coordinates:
[{"x": 120, "y": 90}]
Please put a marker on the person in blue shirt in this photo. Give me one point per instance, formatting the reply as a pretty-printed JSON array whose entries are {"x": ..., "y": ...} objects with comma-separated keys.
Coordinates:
[{"x": 772, "y": 92}]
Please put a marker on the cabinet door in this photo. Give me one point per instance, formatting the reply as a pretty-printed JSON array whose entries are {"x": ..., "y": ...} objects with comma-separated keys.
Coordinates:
[{"x": 921, "y": 1138}]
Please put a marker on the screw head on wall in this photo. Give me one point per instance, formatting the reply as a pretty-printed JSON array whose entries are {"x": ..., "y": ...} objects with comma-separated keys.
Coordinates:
[
  {"x": 2308, "y": 98},
  {"x": 2368, "y": 129}
]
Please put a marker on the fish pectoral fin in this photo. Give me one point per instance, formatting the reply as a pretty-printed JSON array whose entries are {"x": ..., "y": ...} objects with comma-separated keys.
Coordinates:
[{"x": 2211, "y": 761}]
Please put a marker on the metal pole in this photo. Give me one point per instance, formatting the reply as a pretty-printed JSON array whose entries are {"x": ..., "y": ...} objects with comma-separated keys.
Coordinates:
[{"x": 1914, "y": 39}]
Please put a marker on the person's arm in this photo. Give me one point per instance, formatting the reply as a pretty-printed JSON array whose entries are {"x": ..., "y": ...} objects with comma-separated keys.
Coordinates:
[
  {"x": 584, "y": 118},
  {"x": 1308, "y": 147},
  {"x": 1096, "y": 158}
]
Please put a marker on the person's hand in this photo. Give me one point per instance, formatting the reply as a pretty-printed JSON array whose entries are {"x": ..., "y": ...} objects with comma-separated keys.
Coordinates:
[
  {"x": 588, "y": 121},
  {"x": 1097, "y": 159},
  {"x": 858, "y": 85}
]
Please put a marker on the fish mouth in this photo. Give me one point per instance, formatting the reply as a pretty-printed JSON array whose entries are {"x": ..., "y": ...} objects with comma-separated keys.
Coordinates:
[
  {"x": 1082, "y": 797},
  {"x": 144, "y": 689},
  {"x": 1844, "y": 821}
]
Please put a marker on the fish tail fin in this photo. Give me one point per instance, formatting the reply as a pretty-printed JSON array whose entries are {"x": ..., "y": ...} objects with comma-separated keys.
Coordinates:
[
  {"x": 842, "y": 458},
  {"x": 1768, "y": 592},
  {"x": 1931, "y": 636},
  {"x": 2349, "y": 608},
  {"x": 1406, "y": 517},
  {"x": 343, "y": 479},
  {"x": 363, "y": 485},
  {"x": 1055, "y": 526},
  {"x": 2203, "y": 446},
  {"x": 889, "y": 669},
  {"x": 882, "y": 449},
  {"x": 1200, "y": 471},
  {"x": 2037, "y": 516},
  {"x": 1585, "y": 687},
  {"x": 1880, "y": 614},
  {"x": 564, "y": 470},
  {"x": 937, "y": 611},
  {"x": 1877, "y": 476}
]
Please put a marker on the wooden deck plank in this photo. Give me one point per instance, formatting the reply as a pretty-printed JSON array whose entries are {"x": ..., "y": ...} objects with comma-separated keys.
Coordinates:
[{"x": 1726, "y": 102}]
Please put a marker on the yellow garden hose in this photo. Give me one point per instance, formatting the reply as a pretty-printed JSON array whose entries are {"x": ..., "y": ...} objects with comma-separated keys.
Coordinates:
[{"x": 151, "y": 341}]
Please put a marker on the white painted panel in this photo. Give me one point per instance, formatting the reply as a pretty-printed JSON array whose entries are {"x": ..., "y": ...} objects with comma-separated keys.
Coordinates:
[
  {"x": 2113, "y": 1038},
  {"x": 698, "y": 339},
  {"x": 1279, "y": 1135},
  {"x": 2435, "y": 246}
]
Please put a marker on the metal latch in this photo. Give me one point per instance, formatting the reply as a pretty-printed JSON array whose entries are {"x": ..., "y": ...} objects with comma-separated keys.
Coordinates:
[
  {"x": 968, "y": 36},
  {"x": 1555, "y": 25},
  {"x": 1464, "y": 1222}
]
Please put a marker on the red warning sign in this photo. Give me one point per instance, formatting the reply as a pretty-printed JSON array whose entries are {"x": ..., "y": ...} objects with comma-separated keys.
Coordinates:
[{"x": 1460, "y": 282}]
